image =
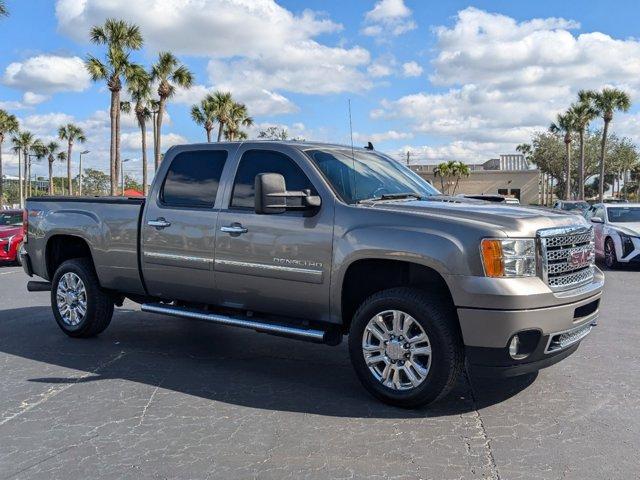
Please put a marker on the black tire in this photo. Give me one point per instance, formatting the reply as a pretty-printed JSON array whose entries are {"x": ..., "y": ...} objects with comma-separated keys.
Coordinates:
[
  {"x": 439, "y": 322},
  {"x": 18, "y": 259},
  {"x": 610, "y": 255},
  {"x": 99, "y": 303}
]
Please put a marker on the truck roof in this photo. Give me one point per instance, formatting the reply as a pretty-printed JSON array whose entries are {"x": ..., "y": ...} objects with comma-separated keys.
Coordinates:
[{"x": 302, "y": 145}]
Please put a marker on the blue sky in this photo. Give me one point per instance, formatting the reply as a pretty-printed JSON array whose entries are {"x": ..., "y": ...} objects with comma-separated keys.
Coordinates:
[{"x": 443, "y": 80}]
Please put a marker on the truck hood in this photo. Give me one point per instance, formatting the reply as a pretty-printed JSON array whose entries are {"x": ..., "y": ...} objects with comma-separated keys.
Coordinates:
[
  {"x": 513, "y": 220},
  {"x": 9, "y": 230},
  {"x": 630, "y": 228}
]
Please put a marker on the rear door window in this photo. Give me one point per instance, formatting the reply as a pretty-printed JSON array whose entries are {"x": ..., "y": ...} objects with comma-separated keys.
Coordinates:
[{"x": 193, "y": 179}]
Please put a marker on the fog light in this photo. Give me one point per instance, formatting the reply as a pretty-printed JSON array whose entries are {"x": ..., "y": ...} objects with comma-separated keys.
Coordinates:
[{"x": 514, "y": 345}]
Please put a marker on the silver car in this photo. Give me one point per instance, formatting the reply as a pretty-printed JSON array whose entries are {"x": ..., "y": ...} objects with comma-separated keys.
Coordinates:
[{"x": 617, "y": 232}]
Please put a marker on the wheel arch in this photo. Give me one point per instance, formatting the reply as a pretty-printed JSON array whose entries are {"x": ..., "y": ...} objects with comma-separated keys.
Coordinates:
[
  {"x": 382, "y": 274},
  {"x": 63, "y": 247}
]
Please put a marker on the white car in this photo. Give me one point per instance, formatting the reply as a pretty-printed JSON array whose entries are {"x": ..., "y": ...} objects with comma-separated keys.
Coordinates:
[{"x": 617, "y": 232}]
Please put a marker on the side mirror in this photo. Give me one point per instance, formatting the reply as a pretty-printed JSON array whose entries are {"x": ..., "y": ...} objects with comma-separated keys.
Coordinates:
[
  {"x": 597, "y": 220},
  {"x": 271, "y": 195}
]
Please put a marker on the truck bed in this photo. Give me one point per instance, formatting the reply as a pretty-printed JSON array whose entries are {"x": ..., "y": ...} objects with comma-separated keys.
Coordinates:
[{"x": 108, "y": 225}]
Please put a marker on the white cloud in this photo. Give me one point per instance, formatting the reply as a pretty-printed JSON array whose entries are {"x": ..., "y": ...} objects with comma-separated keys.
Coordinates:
[
  {"x": 250, "y": 43},
  {"x": 411, "y": 69},
  {"x": 381, "y": 67},
  {"x": 46, "y": 74},
  {"x": 388, "y": 18},
  {"x": 507, "y": 79},
  {"x": 382, "y": 137},
  {"x": 132, "y": 141}
]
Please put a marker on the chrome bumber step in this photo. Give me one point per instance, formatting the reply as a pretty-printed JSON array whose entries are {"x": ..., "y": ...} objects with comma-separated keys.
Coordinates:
[{"x": 313, "y": 335}]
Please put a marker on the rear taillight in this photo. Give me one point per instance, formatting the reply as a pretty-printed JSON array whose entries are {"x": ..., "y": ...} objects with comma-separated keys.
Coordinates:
[{"x": 25, "y": 224}]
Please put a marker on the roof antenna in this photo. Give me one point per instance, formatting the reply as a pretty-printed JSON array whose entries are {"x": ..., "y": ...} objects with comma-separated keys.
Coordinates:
[
  {"x": 353, "y": 157},
  {"x": 369, "y": 146}
]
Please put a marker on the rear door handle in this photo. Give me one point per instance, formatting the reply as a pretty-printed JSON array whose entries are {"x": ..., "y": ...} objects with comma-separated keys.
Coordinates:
[
  {"x": 234, "y": 229},
  {"x": 159, "y": 223}
]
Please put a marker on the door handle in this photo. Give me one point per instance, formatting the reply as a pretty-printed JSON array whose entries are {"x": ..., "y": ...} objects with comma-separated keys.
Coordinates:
[
  {"x": 159, "y": 223},
  {"x": 234, "y": 229}
]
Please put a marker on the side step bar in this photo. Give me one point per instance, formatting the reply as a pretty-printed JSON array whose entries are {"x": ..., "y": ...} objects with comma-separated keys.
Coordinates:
[
  {"x": 33, "y": 286},
  {"x": 311, "y": 335}
]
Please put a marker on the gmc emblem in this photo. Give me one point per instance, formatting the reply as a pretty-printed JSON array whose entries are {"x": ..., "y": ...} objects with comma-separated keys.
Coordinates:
[{"x": 579, "y": 258}]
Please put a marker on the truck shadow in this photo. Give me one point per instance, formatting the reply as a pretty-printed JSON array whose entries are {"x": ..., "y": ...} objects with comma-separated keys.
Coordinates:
[{"x": 223, "y": 364}]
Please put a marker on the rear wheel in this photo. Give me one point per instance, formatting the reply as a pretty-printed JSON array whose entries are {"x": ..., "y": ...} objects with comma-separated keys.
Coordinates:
[
  {"x": 81, "y": 308},
  {"x": 610, "y": 256},
  {"x": 405, "y": 347}
]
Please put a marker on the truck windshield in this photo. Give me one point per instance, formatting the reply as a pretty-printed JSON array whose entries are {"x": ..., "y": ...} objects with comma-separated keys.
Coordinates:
[
  {"x": 623, "y": 214},
  {"x": 10, "y": 218},
  {"x": 368, "y": 175}
]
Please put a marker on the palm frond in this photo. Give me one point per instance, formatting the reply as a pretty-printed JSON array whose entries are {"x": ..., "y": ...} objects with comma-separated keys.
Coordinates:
[{"x": 97, "y": 70}]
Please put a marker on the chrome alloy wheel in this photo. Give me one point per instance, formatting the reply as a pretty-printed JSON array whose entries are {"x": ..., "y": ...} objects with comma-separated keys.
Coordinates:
[
  {"x": 71, "y": 298},
  {"x": 397, "y": 350},
  {"x": 609, "y": 253}
]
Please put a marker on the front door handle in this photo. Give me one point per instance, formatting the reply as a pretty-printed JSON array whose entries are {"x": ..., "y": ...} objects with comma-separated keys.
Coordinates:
[
  {"x": 234, "y": 229},
  {"x": 159, "y": 223}
]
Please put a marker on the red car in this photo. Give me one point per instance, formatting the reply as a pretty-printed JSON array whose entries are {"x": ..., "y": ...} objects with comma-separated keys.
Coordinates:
[{"x": 11, "y": 235}]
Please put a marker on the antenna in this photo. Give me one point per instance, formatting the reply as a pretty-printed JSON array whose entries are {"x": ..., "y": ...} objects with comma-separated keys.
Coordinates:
[{"x": 353, "y": 157}]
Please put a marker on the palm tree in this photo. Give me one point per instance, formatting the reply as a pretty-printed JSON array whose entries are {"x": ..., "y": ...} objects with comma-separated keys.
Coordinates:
[
  {"x": 3, "y": 9},
  {"x": 205, "y": 114},
  {"x": 238, "y": 117},
  {"x": 460, "y": 169},
  {"x": 565, "y": 124},
  {"x": 34, "y": 151},
  {"x": 37, "y": 149},
  {"x": 51, "y": 151},
  {"x": 8, "y": 126},
  {"x": 443, "y": 170},
  {"x": 605, "y": 103},
  {"x": 22, "y": 142},
  {"x": 120, "y": 38},
  {"x": 584, "y": 113},
  {"x": 71, "y": 133},
  {"x": 169, "y": 73},
  {"x": 223, "y": 103},
  {"x": 140, "y": 91}
]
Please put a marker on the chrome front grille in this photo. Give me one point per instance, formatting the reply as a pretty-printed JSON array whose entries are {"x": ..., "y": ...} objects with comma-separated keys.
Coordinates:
[{"x": 567, "y": 256}]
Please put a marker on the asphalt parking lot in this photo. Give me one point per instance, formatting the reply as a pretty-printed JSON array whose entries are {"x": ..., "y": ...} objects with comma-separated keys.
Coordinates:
[{"x": 159, "y": 397}]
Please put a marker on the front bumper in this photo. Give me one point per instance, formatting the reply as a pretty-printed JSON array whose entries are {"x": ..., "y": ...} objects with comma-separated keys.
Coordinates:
[{"x": 553, "y": 333}]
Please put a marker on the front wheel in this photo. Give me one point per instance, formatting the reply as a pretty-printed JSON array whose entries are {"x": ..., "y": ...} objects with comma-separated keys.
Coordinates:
[
  {"x": 405, "y": 347},
  {"x": 81, "y": 308},
  {"x": 610, "y": 256}
]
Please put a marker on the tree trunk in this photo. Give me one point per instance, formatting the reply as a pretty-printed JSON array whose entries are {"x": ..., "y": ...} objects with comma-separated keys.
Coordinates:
[
  {"x": 159, "y": 132},
  {"x": 567, "y": 185},
  {"x": 26, "y": 173},
  {"x": 112, "y": 148},
  {"x": 208, "y": 135},
  {"x": 28, "y": 191},
  {"x": 603, "y": 148},
  {"x": 69, "y": 184},
  {"x": 143, "y": 131},
  {"x": 581, "y": 168},
  {"x": 118, "y": 159},
  {"x": 154, "y": 119},
  {"x": 220, "y": 131},
  {"x": 1, "y": 177},
  {"x": 20, "y": 178},
  {"x": 50, "y": 177}
]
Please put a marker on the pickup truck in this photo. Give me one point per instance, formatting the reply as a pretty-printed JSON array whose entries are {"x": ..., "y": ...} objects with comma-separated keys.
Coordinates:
[{"x": 317, "y": 241}]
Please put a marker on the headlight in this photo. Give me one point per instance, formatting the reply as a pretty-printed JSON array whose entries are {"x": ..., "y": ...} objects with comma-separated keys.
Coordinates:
[
  {"x": 508, "y": 257},
  {"x": 627, "y": 244}
]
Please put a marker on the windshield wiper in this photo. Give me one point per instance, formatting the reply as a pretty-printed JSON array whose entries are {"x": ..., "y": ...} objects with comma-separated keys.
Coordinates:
[{"x": 392, "y": 196}]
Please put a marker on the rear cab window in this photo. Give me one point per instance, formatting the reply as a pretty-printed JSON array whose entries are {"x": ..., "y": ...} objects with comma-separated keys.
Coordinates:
[{"x": 193, "y": 179}]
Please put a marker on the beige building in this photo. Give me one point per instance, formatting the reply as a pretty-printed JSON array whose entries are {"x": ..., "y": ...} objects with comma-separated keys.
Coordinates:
[{"x": 522, "y": 184}]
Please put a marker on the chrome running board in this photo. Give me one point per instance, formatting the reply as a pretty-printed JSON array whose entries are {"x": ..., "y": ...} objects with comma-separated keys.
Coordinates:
[{"x": 312, "y": 335}]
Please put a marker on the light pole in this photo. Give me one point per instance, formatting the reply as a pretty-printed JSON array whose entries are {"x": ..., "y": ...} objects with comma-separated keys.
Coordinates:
[
  {"x": 80, "y": 173},
  {"x": 122, "y": 173}
]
